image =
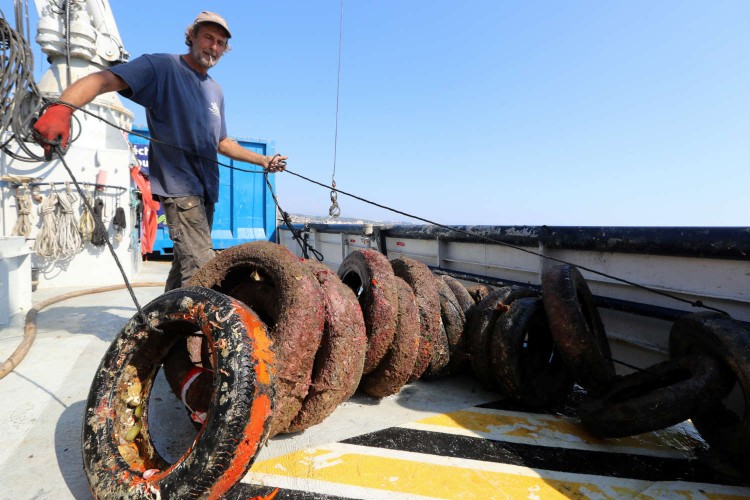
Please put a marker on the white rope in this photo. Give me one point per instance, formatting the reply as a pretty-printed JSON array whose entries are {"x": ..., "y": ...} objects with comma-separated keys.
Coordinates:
[
  {"x": 68, "y": 236},
  {"x": 46, "y": 241},
  {"x": 23, "y": 206}
]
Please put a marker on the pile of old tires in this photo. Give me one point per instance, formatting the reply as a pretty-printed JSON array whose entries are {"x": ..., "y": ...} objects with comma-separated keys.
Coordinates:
[{"x": 283, "y": 341}]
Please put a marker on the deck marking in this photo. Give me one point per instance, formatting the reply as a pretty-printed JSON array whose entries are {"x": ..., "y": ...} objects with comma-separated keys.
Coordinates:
[
  {"x": 553, "y": 431},
  {"x": 408, "y": 473},
  {"x": 590, "y": 462}
]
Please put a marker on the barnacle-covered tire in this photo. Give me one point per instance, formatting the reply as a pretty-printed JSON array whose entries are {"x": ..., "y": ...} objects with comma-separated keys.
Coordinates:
[
  {"x": 341, "y": 356},
  {"x": 724, "y": 419},
  {"x": 433, "y": 345},
  {"x": 479, "y": 327},
  {"x": 526, "y": 364},
  {"x": 454, "y": 320},
  {"x": 464, "y": 298},
  {"x": 119, "y": 457},
  {"x": 577, "y": 328},
  {"x": 287, "y": 297},
  {"x": 658, "y": 397},
  {"x": 398, "y": 364},
  {"x": 369, "y": 275}
]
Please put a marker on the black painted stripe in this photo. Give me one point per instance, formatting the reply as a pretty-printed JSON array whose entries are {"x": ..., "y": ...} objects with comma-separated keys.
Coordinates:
[
  {"x": 245, "y": 491},
  {"x": 598, "y": 463}
]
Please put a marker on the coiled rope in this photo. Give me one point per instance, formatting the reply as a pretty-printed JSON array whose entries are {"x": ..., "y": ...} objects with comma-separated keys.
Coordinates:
[
  {"x": 46, "y": 243},
  {"x": 68, "y": 236},
  {"x": 99, "y": 236},
  {"x": 22, "y": 226}
]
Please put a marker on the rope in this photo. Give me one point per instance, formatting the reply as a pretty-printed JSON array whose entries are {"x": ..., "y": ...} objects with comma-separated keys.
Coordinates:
[
  {"x": 118, "y": 222},
  {"x": 46, "y": 243},
  {"x": 99, "y": 236},
  {"x": 20, "y": 101},
  {"x": 695, "y": 303},
  {"x": 68, "y": 237},
  {"x": 23, "y": 207},
  {"x": 296, "y": 235}
]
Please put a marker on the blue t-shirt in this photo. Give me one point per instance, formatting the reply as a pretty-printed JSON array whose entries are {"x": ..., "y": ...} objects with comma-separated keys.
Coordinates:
[{"x": 185, "y": 109}]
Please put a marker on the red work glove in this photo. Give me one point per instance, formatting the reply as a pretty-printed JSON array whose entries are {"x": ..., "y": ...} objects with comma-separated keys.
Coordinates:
[{"x": 54, "y": 124}]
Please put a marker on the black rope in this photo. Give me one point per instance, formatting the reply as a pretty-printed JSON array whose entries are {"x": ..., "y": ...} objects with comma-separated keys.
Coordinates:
[
  {"x": 99, "y": 236},
  {"x": 296, "y": 235},
  {"x": 693, "y": 303}
]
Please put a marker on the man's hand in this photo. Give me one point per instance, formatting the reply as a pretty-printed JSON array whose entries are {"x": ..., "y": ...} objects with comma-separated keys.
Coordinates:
[
  {"x": 54, "y": 124},
  {"x": 276, "y": 163}
]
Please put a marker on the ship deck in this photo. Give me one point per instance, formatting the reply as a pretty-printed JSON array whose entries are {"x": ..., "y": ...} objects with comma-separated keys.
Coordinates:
[{"x": 447, "y": 438}]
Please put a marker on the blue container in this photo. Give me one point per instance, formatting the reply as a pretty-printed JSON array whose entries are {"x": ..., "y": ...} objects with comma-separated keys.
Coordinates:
[{"x": 245, "y": 211}]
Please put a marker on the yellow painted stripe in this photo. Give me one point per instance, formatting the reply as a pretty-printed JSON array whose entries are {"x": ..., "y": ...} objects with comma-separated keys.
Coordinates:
[
  {"x": 550, "y": 430},
  {"x": 434, "y": 476}
]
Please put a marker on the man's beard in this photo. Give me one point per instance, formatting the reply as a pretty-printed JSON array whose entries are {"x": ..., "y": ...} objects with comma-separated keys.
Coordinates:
[{"x": 204, "y": 60}]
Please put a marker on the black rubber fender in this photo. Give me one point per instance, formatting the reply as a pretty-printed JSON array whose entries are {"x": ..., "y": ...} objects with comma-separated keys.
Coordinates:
[
  {"x": 398, "y": 364},
  {"x": 577, "y": 328},
  {"x": 369, "y": 275},
  {"x": 341, "y": 356},
  {"x": 724, "y": 421},
  {"x": 433, "y": 349},
  {"x": 658, "y": 397},
  {"x": 524, "y": 358},
  {"x": 286, "y": 295},
  {"x": 119, "y": 457}
]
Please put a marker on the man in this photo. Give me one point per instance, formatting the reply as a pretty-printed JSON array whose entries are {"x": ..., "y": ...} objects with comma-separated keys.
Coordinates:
[{"x": 184, "y": 108}]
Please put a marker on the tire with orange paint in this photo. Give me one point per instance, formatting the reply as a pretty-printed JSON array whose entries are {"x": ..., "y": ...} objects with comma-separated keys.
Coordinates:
[
  {"x": 341, "y": 356},
  {"x": 287, "y": 297},
  {"x": 369, "y": 275},
  {"x": 119, "y": 457}
]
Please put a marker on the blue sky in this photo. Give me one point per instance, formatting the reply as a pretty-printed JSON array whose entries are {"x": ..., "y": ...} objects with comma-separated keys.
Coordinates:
[{"x": 621, "y": 113}]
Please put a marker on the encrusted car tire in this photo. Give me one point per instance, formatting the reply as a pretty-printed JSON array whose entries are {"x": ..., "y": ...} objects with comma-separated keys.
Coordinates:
[
  {"x": 724, "y": 420},
  {"x": 526, "y": 363},
  {"x": 338, "y": 364},
  {"x": 480, "y": 325},
  {"x": 454, "y": 320},
  {"x": 577, "y": 328},
  {"x": 658, "y": 397},
  {"x": 369, "y": 275},
  {"x": 398, "y": 364},
  {"x": 433, "y": 348},
  {"x": 287, "y": 297},
  {"x": 119, "y": 457},
  {"x": 464, "y": 298}
]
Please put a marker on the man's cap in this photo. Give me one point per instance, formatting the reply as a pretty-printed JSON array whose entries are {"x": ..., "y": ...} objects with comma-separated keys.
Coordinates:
[{"x": 212, "y": 17}]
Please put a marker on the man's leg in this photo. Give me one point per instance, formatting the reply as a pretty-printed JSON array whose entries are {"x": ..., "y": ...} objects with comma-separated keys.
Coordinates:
[{"x": 189, "y": 221}]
